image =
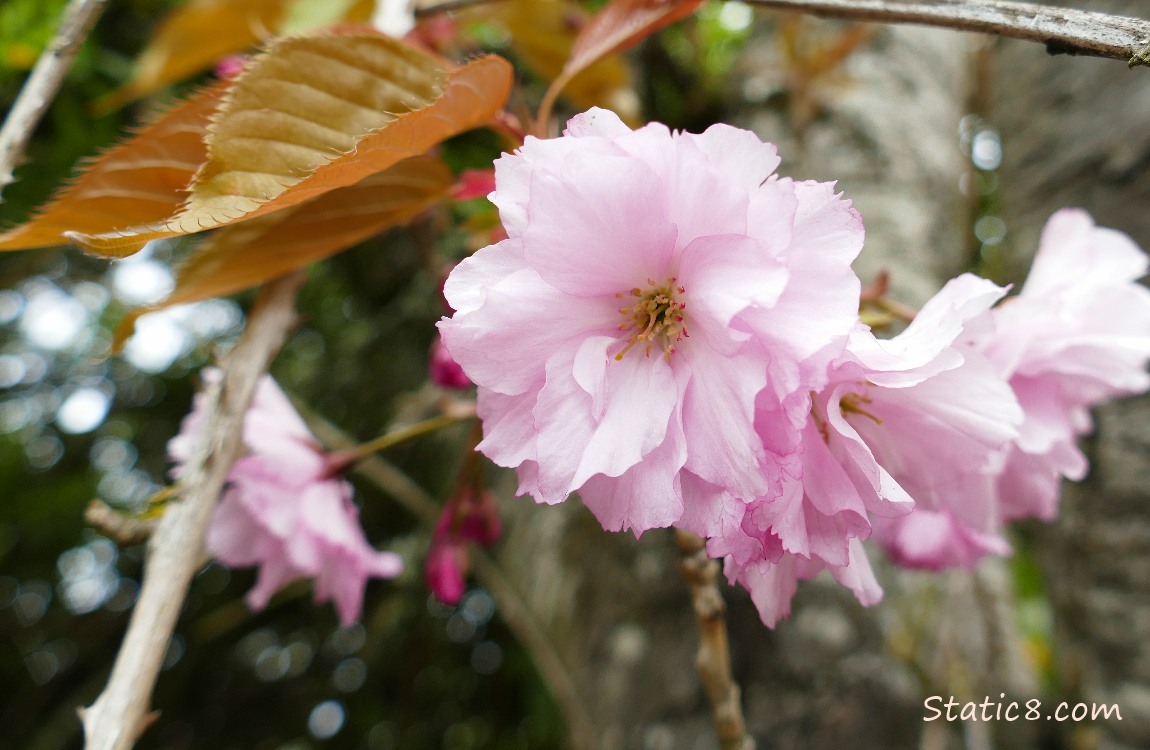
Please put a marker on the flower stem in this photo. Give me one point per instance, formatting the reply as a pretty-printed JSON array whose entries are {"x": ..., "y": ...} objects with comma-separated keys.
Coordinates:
[
  {"x": 714, "y": 658},
  {"x": 343, "y": 460}
]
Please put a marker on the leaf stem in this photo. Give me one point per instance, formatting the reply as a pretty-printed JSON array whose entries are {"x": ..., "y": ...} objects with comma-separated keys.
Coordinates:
[
  {"x": 342, "y": 460},
  {"x": 43, "y": 83}
]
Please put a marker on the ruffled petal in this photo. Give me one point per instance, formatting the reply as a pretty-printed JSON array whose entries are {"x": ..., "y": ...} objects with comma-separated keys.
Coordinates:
[
  {"x": 577, "y": 441},
  {"x": 722, "y": 276},
  {"x": 504, "y": 343},
  {"x": 718, "y": 419},
  {"x": 508, "y": 427},
  {"x": 646, "y": 496},
  {"x": 583, "y": 236},
  {"x": 737, "y": 154},
  {"x": 596, "y": 123}
]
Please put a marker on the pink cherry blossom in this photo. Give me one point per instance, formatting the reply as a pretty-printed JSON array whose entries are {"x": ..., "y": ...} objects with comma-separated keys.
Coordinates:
[
  {"x": 656, "y": 292},
  {"x": 283, "y": 512},
  {"x": 914, "y": 418},
  {"x": 941, "y": 429},
  {"x": 1076, "y": 335}
]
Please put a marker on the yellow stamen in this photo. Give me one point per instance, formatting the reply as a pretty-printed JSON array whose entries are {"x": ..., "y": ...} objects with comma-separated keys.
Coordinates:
[
  {"x": 657, "y": 317},
  {"x": 850, "y": 405}
]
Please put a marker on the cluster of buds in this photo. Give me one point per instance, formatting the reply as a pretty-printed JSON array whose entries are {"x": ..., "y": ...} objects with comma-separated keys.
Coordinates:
[{"x": 470, "y": 517}]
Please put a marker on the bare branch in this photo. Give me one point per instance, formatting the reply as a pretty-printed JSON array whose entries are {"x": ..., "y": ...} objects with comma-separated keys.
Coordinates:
[
  {"x": 43, "y": 83},
  {"x": 714, "y": 659},
  {"x": 1062, "y": 30},
  {"x": 118, "y": 716}
]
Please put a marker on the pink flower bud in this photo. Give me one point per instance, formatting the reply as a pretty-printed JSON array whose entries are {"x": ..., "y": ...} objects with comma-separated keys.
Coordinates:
[
  {"x": 479, "y": 518},
  {"x": 445, "y": 563},
  {"x": 445, "y": 371},
  {"x": 474, "y": 183},
  {"x": 231, "y": 66}
]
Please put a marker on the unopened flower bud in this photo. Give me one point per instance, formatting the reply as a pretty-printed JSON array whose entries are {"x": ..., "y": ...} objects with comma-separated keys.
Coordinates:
[
  {"x": 445, "y": 563},
  {"x": 445, "y": 371},
  {"x": 480, "y": 522},
  {"x": 231, "y": 66}
]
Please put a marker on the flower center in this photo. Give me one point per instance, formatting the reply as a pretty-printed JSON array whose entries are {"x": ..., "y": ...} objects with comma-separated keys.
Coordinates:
[{"x": 656, "y": 317}]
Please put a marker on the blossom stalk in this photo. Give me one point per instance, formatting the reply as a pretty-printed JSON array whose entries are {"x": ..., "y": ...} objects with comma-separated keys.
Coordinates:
[{"x": 340, "y": 461}]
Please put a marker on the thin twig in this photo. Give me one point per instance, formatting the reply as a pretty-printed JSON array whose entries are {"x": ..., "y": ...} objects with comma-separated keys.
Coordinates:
[
  {"x": 1062, "y": 30},
  {"x": 339, "y": 461},
  {"x": 714, "y": 659},
  {"x": 43, "y": 83},
  {"x": 123, "y": 529},
  {"x": 118, "y": 716},
  {"x": 512, "y": 608}
]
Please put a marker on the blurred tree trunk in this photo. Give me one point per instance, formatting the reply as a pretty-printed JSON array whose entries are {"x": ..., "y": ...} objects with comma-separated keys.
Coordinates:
[
  {"x": 1074, "y": 134},
  {"x": 834, "y": 674}
]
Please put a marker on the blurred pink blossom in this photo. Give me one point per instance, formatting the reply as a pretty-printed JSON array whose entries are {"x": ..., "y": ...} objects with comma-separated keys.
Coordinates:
[
  {"x": 940, "y": 424},
  {"x": 283, "y": 511},
  {"x": 1076, "y": 335}
]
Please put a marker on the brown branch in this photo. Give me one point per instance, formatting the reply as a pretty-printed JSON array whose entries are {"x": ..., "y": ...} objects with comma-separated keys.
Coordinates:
[
  {"x": 1062, "y": 30},
  {"x": 121, "y": 713},
  {"x": 43, "y": 83},
  {"x": 714, "y": 659}
]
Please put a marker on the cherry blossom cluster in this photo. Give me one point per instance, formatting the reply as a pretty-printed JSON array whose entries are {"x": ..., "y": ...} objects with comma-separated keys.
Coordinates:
[{"x": 671, "y": 330}]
